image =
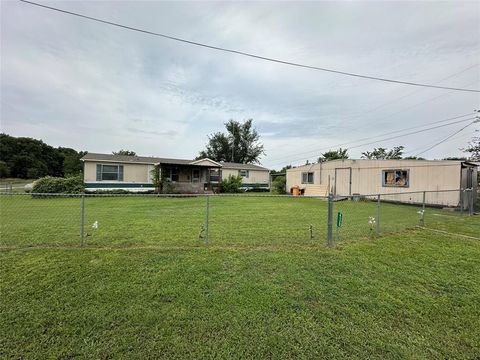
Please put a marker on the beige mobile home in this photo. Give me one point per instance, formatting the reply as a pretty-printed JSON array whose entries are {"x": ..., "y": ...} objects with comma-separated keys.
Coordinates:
[
  {"x": 365, "y": 177},
  {"x": 134, "y": 173}
]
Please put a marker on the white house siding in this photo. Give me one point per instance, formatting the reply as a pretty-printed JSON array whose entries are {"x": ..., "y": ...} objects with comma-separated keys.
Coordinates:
[
  {"x": 366, "y": 178},
  {"x": 254, "y": 176},
  {"x": 138, "y": 177},
  {"x": 132, "y": 173}
]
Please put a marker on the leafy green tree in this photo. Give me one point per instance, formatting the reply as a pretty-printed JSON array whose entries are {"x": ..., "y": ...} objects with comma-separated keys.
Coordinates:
[
  {"x": 28, "y": 157},
  {"x": 414, "y": 158},
  {"x": 334, "y": 155},
  {"x": 384, "y": 153},
  {"x": 157, "y": 178},
  {"x": 283, "y": 170},
  {"x": 239, "y": 144},
  {"x": 473, "y": 148},
  {"x": 279, "y": 185},
  {"x": 4, "y": 170},
  {"x": 31, "y": 158},
  {"x": 458, "y": 158},
  {"x": 72, "y": 165},
  {"x": 124, "y": 152}
]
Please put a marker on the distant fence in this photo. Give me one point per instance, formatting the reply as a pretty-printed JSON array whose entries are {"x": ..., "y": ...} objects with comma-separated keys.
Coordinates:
[{"x": 229, "y": 219}]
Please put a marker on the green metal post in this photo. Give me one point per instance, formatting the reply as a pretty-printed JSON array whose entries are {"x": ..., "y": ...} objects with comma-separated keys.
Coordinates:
[{"x": 330, "y": 220}]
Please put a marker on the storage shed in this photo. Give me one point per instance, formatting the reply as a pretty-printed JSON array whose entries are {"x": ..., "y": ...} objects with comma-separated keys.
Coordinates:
[{"x": 349, "y": 177}]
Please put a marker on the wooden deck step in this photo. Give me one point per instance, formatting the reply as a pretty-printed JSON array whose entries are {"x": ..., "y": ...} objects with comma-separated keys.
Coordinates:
[{"x": 316, "y": 190}]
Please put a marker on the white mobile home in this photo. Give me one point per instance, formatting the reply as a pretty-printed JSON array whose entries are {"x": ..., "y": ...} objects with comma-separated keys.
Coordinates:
[
  {"x": 349, "y": 177},
  {"x": 134, "y": 173}
]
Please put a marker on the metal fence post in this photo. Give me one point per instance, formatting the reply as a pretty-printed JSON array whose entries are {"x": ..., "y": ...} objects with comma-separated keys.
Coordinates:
[
  {"x": 329, "y": 222},
  {"x": 207, "y": 205},
  {"x": 82, "y": 220},
  {"x": 378, "y": 214},
  {"x": 462, "y": 196},
  {"x": 470, "y": 202},
  {"x": 423, "y": 209}
]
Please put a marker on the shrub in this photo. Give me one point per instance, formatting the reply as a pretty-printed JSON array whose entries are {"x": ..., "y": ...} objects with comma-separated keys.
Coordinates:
[
  {"x": 52, "y": 185},
  {"x": 231, "y": 185},
  {"x": 279, "y": 185}
]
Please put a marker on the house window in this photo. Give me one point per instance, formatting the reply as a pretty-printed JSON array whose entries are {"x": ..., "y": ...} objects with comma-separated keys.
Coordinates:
[
  {"x": 196, "y": 175},
  {"x": 395, "y": 178},
  {"x": 172, "y": 174},
  {"x": 307, "y": 178},
  {"x": 109, "y": 172},
  {"x": 214, "y": 175},
  {"x": 243, "y": 173}
]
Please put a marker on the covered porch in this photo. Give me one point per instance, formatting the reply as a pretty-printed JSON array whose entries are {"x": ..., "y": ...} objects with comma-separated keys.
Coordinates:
[{"x": 198, "y": 177}]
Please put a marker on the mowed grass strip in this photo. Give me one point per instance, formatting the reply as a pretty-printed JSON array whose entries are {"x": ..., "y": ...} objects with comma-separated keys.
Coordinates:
[
  {"x": 233, "y": 221},
  {"x": 410, "y": 296}
]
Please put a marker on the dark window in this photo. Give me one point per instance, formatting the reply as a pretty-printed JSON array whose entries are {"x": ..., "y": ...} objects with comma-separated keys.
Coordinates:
[
  {"x": 109, "y": 172},
  {"x": 395, "y": 178},
  {"x": 172, "y": 174},
  {"x": 214, "y": 175},
  {"x": 243, "y": 173},
  {"x": 196, "y": 175},
  {"x": 307, "y": 178}
]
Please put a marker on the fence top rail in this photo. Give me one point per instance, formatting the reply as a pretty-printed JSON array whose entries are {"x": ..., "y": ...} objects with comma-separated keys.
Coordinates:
[
  {"x": 406, "y": 192},
  {"x": 249, "y": 195}
]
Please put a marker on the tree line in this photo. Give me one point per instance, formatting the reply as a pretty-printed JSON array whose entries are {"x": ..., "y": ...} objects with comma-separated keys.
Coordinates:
[{"x": 27, "y": 158}]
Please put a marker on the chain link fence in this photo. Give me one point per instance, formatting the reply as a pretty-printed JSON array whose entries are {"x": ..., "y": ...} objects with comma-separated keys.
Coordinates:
[{"x": 230, "y": 220}]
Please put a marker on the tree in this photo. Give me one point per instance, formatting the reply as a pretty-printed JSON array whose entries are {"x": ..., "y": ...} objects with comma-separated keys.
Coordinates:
[
  {"x": 30, "y": 158},
  {"x": 239, "y": 144},
  {"x": 457, "y": 158},
  {"x": 415, "y": 158},
  {"x": 4, "y": 170},
  {"x": 334, "y": 155},
  {"x": 384, "y": 153},
  {"x": 279, "y": 185},
  {"x": 283, "y": 170},
  {"x": 124, "y": 152},
  {"x": 157, "y": 178},
  {"x": 473, "y": 148},
  {"x": 72, "y": 166}
]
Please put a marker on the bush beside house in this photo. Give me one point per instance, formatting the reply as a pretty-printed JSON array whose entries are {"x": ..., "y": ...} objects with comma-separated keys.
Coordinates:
[
  {"x": 57, "y": 185},
  {"x": 279, "y": 185},
  {"x": 231, "y": 184}
]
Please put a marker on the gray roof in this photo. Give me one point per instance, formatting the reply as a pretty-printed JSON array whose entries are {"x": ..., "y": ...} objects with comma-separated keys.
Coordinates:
[
  {"x": 155, "y": 160},
  {"x": 232, "y": 165},
  {"x": 133, "y": 159}
]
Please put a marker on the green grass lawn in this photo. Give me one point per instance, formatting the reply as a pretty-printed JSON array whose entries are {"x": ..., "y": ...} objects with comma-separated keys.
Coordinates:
[
  {"x": 233, "y": 221},
  {"x": 414, "y": 295},
  {"x": 146, "y": 287}
]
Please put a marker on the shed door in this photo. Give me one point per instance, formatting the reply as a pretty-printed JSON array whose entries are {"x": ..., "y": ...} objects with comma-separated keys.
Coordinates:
[{"x": 343, "y": 181}]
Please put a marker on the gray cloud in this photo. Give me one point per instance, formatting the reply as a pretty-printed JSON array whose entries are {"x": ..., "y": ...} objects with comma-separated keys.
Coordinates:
[{"x": 76, "y": 83}]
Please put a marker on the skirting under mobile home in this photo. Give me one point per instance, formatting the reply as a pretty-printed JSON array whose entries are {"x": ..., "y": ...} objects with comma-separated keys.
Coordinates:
[{"x": 393, "y": 177}]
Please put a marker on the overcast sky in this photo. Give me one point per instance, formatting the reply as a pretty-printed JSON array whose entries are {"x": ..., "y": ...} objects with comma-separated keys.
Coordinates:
[{"x": 72, "y": 82}]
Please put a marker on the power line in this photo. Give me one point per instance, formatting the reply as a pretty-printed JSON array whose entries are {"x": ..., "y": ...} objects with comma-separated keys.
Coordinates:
[
  {"x": 416, "y": 104},
  {"x": 399, "y": 136},
  {"x": 464, "y": 136},
  {"x": 448, "y": 137},
  {"x": 415, "y": 92},
  {"x": 376, "y": 136},
  {"x": 238, "y": 52}
]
